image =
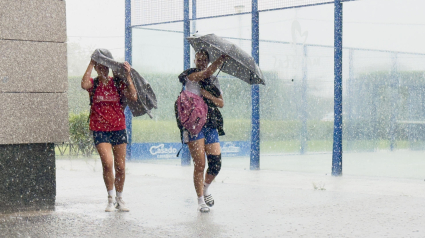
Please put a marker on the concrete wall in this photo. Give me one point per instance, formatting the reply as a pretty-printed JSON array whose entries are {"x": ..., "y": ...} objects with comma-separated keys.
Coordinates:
[
  {"x": 33, "y": 62},
  {"x": 33, "y": 20},
  {"x": 28, "y": 66},
  {"x": 33, "y": 118},
  {"x": 33, "y": 100},
  {"x": 28, "y": 177}
]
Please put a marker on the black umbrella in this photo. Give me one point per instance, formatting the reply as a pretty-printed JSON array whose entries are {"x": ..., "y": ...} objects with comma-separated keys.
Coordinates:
[{"x": 240, "y": 64}]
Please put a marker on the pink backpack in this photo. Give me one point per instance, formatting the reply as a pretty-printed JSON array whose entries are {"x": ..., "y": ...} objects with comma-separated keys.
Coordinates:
[{"x": 192, "y": 112}]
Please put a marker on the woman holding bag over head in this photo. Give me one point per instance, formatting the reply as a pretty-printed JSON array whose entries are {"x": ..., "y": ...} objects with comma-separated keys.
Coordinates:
[
  {"x": 200, "y": 81},
  {"x": 107, "y": 121}
]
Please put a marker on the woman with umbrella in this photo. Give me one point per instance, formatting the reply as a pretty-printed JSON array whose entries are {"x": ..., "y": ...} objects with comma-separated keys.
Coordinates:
[
  {"x": 200, "y": 81},
  {"x": 107, "y": 121}
]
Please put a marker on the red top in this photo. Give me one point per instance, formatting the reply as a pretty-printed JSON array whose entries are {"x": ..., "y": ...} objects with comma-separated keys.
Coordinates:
[{"x": 107, "y": 113}]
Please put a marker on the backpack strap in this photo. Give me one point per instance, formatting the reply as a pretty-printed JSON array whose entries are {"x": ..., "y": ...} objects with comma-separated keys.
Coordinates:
[
  {"x": 117, "y": 86},
  {"x": 178, "y": 153}
]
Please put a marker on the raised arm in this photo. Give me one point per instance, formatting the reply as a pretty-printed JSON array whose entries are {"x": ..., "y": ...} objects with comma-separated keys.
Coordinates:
[
  {"x": 209, "y": 71},
  {"x": 85, "y": 81},
  {"x": 130, "y": 92}
]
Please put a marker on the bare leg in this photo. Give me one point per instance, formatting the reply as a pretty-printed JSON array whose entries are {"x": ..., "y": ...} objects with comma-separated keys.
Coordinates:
[
  {"x": 197, "y": 151},
  {"x": 105, "y": 152},
  {"x": 211, "y": 149},
  {"x": 119, "y": 162}
]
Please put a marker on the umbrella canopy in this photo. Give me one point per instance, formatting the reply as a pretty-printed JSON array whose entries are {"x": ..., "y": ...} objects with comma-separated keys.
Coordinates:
[{"x": 240, "y": 64}]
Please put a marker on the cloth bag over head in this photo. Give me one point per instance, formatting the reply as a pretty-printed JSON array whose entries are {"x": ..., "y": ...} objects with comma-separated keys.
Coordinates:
[{"x": 146, "y": 99}]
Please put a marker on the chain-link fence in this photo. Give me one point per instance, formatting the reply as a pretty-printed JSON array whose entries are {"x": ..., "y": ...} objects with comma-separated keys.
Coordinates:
[{"x": 383, "y": 86}]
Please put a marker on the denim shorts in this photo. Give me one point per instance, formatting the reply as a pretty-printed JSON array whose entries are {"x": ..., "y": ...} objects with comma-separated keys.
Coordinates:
[
  {"x": 111, "y": 137},
  {"x": 210, "y": 135}
]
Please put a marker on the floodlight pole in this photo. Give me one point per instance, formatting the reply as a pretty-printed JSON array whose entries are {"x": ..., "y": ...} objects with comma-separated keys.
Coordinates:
[
  {"x": 185, "y": 160},
  {"x": 337, "y": 136},
  {"x": 186, "y": 30},
  {"x": 193, "y": 28},
  {"x": 255, "y": 92},
  {"x": 128, "y": 58},
  {"x": 350, "y": 97},
  {"x": 193, "y": 16}
]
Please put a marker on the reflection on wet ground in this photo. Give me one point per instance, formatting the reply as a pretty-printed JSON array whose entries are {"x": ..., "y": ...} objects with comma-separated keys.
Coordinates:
[{"x": 248, "y": 204}]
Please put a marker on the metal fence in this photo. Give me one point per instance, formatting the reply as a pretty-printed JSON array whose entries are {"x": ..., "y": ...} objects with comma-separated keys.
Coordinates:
[{"x": 316, "y": 94}]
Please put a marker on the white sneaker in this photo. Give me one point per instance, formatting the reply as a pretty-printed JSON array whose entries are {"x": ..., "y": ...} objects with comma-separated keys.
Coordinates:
[
  {"x": 203, "y": 208},
  {"x": 111, "y": 206},
  {"x": 121, "y": 205}
]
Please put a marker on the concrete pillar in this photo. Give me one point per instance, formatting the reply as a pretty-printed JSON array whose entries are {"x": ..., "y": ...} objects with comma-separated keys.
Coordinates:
[{"x": 33, "y": 101}]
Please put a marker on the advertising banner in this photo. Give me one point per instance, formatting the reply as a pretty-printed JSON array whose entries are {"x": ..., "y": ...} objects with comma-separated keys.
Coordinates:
[{"x": 169, "y": 150}]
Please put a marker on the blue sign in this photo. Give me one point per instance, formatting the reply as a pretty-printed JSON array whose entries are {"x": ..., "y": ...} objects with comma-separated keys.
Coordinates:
[{"x": 170, "y": 150}]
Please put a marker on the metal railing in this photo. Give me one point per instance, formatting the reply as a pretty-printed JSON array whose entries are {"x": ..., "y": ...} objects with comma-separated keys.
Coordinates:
[{"x": 75, "y": 149}]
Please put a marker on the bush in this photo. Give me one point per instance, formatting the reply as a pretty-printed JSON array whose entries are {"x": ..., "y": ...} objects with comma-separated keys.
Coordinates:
[{"x": 79, "y": 133}]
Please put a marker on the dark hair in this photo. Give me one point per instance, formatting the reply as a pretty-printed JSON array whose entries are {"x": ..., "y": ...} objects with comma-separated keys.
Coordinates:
[{"x": 204, "y": 52}]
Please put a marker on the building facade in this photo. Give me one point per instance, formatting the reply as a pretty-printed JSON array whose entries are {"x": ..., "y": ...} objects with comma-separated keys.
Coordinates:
[{"x": 33, "y": 100}]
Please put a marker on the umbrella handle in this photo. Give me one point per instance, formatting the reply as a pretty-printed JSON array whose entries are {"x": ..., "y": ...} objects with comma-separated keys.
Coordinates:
[{"x": 220, "y": 69}]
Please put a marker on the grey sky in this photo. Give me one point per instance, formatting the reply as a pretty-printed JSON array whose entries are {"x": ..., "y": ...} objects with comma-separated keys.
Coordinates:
[{"x": 95, "y": 24}]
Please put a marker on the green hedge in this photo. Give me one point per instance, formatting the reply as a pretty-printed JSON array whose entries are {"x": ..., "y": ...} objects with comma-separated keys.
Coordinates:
[
  {"x": 279, "y": 101},
  {"x": 370, "y": 100},
  {"x": 236, "y": 130},
  {"x": 79, "y": 133}
]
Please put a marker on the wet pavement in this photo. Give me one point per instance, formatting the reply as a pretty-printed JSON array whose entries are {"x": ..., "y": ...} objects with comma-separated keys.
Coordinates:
[{"x": 248, "y": 203}]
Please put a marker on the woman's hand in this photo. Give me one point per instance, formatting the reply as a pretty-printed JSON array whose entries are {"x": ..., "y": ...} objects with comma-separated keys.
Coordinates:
[
  {"x": 127, "y": 67},
  {"x": 224, "y": 58}
]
